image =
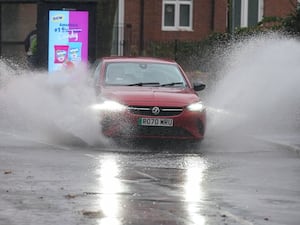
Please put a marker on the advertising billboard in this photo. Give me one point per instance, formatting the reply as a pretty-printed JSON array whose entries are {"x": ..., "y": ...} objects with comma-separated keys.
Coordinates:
[{"x": 68, "y": 39}]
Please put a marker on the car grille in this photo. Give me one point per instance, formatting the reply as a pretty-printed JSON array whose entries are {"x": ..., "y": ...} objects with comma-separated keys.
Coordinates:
[
  {"x": 127, "y": 129},
  {"x": 147, "y": 110}
]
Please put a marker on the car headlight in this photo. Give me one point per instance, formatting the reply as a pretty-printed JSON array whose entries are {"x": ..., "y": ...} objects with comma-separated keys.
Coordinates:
[
  {"x": 109, "y": 106},
  {"x": 198, "y": 106}
]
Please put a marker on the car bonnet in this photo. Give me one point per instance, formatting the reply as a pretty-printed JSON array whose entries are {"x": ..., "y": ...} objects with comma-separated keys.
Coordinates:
[{"x": 150, "y": 96}]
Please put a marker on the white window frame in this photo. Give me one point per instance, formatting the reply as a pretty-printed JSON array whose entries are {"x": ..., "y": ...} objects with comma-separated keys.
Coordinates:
[
  {"x": 244, "y": 13},
  {"x": 176, "y": 26},
  {"x": 260, "y": 10}
]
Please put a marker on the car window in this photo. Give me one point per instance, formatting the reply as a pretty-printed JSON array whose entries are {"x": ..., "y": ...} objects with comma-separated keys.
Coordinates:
[{"x": 155, "y": 73}]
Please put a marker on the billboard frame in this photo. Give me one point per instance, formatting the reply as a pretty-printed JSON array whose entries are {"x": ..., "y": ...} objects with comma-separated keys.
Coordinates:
[{"x": 43, "y": 26}]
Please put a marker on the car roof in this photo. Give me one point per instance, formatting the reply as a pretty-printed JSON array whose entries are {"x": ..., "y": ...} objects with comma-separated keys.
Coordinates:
[{"x": 137, "y": 59}]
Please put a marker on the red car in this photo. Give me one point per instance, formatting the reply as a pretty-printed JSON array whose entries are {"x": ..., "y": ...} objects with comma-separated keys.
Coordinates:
[{"x": 147, "y": 98}]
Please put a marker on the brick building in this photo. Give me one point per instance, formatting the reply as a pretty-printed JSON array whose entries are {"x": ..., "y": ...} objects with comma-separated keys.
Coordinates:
[
  {"x": 166, "y": 20},
  {"x": 138, "y": 22}
]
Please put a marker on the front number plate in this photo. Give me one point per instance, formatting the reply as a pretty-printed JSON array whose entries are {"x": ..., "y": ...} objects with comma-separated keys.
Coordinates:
[{"x": 157, "y": 122}]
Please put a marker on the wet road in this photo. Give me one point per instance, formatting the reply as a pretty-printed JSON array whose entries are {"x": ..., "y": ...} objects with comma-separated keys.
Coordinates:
[{"x": 246, "y": 182}]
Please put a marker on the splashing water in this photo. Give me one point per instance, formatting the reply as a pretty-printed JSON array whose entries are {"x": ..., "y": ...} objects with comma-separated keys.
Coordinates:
[
  {"x": 44, "y": 107},
  {"x": 258, "y": 89}
]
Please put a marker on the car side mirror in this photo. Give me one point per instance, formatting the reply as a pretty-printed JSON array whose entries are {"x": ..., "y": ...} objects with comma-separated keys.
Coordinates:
[{"x": 199, "y": 86}]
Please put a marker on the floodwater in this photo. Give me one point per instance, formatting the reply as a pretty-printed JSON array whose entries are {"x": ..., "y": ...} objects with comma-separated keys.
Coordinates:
[
  {"x": 256, "y": 91},
  {"x": 46, "y": 107}
]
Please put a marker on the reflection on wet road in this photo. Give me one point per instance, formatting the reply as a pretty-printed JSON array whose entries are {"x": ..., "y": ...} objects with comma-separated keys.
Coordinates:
[
  {"x": 170, "y": 187},
  {"x": 193, "y": 190},
  {"x": 110, "y": 187}
]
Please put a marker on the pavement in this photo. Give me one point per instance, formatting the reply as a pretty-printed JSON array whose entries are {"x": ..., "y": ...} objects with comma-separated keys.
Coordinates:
[{"x": 291, "y": 141}]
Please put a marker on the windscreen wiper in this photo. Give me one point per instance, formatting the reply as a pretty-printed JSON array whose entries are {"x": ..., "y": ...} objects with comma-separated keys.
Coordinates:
[
  {"x": 144, "y": 83},
  {"x": 171, "y": 84}
]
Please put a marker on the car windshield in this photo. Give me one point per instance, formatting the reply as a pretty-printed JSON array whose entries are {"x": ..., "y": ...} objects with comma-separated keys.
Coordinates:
[{"x": 144, "y": 74}]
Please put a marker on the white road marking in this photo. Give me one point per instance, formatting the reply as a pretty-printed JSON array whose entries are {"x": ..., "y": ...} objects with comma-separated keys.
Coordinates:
[{"x": 147, "y": 175}]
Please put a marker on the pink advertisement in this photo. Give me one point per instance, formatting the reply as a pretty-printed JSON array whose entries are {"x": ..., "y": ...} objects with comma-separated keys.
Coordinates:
[{"x": 68, "y": 39}]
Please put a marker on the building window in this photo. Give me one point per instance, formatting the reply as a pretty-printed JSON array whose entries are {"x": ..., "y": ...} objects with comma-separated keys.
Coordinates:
[
  {"x": 247, "y": 13},
  {"x": 177, "y": 15}
]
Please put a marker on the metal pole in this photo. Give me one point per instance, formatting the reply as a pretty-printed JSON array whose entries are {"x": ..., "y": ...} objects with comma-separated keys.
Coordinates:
[
  {"x": 232, "y": 17},
  {"x": 213, "y": 4},
  {"x": 142, "y": 28}
]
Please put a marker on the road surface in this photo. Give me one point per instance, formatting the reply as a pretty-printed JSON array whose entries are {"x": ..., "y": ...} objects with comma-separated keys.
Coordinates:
[{"x": 244, "y": 182}]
